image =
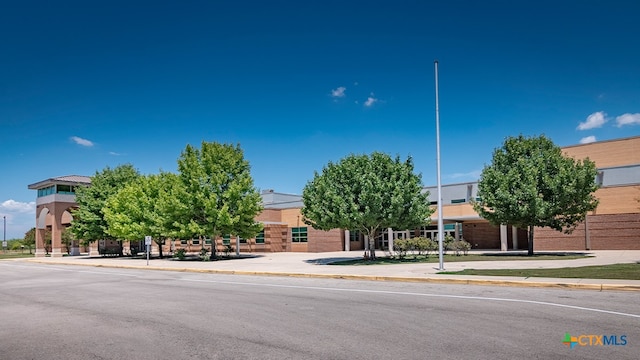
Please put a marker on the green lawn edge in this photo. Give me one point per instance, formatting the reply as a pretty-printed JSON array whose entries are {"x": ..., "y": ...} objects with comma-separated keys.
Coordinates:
[
  {"x": 433, "y": 258},
  {"x": 627, "y": 271}
]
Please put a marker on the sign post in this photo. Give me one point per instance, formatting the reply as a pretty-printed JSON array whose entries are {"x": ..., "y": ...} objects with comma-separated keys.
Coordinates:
[{"x": 147, "y": 243}]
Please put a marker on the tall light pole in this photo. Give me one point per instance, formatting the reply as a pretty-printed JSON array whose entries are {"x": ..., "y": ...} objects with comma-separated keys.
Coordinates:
[
  {"x": 440, "y": 221},
  {"x": 4, "y": 241}
]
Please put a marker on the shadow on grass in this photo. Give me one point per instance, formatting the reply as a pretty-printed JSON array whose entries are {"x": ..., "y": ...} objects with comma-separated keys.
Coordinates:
[{"x": 433, "y": 258}]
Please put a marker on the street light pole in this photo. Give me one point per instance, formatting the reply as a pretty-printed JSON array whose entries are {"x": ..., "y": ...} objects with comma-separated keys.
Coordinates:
[
  {"x": 440, "y": 220},
  {"x": 4, "y": 241}
]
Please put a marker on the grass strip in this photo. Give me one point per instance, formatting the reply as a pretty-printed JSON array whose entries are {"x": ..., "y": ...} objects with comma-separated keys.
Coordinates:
[
  {"x": 433, "y": 258},
  {"x": 614, "y": 271}
]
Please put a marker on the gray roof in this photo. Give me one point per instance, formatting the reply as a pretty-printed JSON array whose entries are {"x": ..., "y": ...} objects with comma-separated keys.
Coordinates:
[
  {"x": 274, "y": 200},
  {"x": 61, "y": 180}
]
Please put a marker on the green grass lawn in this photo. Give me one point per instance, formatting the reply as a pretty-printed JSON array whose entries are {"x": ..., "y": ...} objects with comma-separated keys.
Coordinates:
[
  {"x": 14, "y": 255},
  {"x": 614, "y": 271},
  {"x": 433, "y": 258}
]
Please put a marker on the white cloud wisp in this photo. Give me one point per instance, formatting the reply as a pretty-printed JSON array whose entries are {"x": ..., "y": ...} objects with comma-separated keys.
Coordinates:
[
  {"x": 81, "y": 141},
  {"x": 628, "y": 119},
  {"x": 595, "y": 120},
  {"x": 588, "y": 139},
  {"x": 339, "y": 92}
]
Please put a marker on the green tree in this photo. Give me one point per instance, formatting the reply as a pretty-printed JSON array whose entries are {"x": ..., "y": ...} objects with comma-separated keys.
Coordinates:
[
  {"x": 67, "y": 239},
  {"x": 366, "y": 193},
  {"x": 218, "y": 196},
  {"x": 88, "y": 222},
  {"x": 30, "y": 239},
  {"x": 143, "y": 208},
  {"x": 531, "y": 183}
]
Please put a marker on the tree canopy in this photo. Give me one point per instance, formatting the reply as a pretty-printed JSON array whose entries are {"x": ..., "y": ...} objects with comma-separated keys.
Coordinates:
[
  {"x": 530, "y": 183},
  {"x": 143, "y": 208},
  {"x": 89, "y": 222},
  {"x": 219, "y": 196},
  {"x": 366, "y": 193}
]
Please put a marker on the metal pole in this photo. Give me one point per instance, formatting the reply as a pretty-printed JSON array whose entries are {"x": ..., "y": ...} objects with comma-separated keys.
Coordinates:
[
  {"x": 4, "y": 241},
  {"x": 440, "y": 221}
]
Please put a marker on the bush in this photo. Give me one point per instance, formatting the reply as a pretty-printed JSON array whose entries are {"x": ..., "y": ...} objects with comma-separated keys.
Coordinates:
[
  {"x": 461, "y": 246},
  {"x": 401, "y": 247},
  {"x": 424, "y": 246},
  {"x": 180, "y": 254},
  {"x": 227, "y": 249},
  {"x": 204, "y": 254}
]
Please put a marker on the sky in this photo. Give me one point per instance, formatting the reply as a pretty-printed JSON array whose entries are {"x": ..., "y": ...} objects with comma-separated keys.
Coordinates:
[{"x": 90, "y": 84}]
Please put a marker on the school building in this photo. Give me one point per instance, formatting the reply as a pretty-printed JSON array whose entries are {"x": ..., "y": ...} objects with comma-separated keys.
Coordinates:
[{"x": 614, "y": 225}]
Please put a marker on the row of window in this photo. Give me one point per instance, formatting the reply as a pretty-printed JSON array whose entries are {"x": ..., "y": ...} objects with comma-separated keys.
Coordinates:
[
  {"x": 57, "y": 189},
  {"x": 298, "y": 235}
]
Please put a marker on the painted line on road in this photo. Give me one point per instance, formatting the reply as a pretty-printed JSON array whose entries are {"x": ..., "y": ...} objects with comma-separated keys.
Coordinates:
[{"x": 463, "y": 297}]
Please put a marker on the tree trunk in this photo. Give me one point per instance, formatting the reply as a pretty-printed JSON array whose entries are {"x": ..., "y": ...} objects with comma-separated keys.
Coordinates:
[
  {"x": 372, "y": 247},
  {"x": 530, "y": 253},
  {"x": 159, "y": 242}
]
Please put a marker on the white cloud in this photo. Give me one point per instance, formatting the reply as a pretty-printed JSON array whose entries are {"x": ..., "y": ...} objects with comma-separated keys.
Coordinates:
[
  {"x": 628, "y": 119},
  {"x": 588, "y": 139},
  {"x": 115, "y": 153},
  {"x": 20, "y": 207},
  {"x": 339, "y": 92},
  {"x": 595, "y": 120},
  {"x": 81, "y": 141},
  {"x": 370, "y": 101}
]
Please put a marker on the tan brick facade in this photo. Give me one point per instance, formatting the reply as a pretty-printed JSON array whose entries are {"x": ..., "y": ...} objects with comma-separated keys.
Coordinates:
[{"x": 605, "y": 232}]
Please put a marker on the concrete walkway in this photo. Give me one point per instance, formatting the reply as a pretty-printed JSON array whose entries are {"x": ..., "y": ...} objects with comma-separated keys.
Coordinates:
[{"x": 315, "y": 265}]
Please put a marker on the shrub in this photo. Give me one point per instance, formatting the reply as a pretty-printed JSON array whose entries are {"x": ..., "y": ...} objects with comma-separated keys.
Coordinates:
[
  {"x": 180, "y": 254},
  {"x": 227, "y": 249},
  {"x": 425, "y": 246},
  {"x": 204, "y": 254},
  {"x": 461, "y": 246},
  {"x": 400, "y": 247}
]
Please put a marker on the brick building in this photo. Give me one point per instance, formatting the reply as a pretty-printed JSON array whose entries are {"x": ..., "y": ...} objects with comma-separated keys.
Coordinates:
[{"x": 615, "y": 224}]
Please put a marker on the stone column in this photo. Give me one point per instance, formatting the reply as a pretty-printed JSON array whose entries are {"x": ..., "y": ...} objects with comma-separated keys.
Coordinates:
[
  {"x": 514, "y": 236},
  {"x": 93, "y": 248},
  {"x": 40, "y": 250},
  {"x": 56, "y": 234},
  {"x": 347, "y": 240},
  {"x": 456, "y": 231},
  {"x": 503, "y": 238},
  {"x": 390, "y": 234},
  {"x": 366, "y": 243}
]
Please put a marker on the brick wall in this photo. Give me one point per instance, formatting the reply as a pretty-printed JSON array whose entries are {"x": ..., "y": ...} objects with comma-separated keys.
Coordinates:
[
  {"x": 606, "y": 232},
  {"x": 322, "y": 241}
]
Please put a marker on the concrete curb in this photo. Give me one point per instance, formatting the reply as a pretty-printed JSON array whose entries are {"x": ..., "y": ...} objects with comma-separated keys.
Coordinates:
[{"x": 465, "y": 281}]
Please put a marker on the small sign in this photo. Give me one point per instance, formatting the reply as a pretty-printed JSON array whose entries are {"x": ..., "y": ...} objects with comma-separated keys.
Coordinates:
[
  {"x": 4, "y": 244},
  {"x": 147, "y": 240}
]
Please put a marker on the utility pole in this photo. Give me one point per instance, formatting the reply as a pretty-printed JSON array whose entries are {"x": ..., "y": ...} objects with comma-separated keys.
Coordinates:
[{"x": 440, "y": 220}]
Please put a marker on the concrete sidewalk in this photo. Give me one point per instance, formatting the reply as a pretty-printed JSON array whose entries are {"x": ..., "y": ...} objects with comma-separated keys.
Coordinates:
[{"x": 315, "y": 265}]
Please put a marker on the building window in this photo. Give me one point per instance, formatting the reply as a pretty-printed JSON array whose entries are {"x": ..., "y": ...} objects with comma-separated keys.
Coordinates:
[
  {"x": 195, "y": 241},
  {"x": 260, "y": 237},
  {"x": 299, "y": 234},
  {"x": 600, "y": 178},
  {"x": 183, "y": 242},
  {"x": 226, "y": 239},
  {"x": 458, "y": 201},
  {"x": 65, "y": 189},
  {"x": 354, "y": 235},
  {"x": 50, "y": 190},
  {"x": 207, "y": 241},
  {"x": 243, "y": 241}
]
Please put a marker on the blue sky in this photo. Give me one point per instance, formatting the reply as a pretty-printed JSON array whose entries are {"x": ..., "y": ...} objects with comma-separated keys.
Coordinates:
[{"x": 90, "y": 84}]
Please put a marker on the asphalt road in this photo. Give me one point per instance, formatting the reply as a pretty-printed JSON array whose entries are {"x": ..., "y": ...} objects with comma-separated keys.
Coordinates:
[{"x": 70, "y": 312}]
